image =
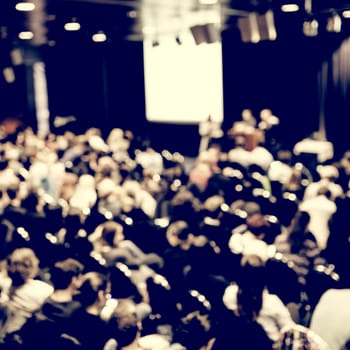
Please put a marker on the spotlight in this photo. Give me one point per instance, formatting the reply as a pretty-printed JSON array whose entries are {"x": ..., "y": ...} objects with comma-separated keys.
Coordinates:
[
  {"x": 25, "y": 6},
  {"x": 334, "y": 23},
  {"x": 26, "y": 35},
  {"x": 72, "y": 26},
  {"x": 99, "y": 37},
  {"x": 290, "y": 7},
  {"x": 9, "y": 75},
  {"x": 310, "y": 27}
]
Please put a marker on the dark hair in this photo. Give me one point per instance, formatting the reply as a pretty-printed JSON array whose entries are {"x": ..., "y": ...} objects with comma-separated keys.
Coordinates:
[
  {"x": 63, "y": 272},
  {"x": 124, "y": 323},
  {"x": 194, "y": 330},
  {"x": 251, "y": 285},
  {"x": 297, "y": 231},
  {"x": 91, "y": 283},
  {"x": 109, "y": 230},
  {"x": 324, "y": 191},
  {"x": 31, "y": 201}
]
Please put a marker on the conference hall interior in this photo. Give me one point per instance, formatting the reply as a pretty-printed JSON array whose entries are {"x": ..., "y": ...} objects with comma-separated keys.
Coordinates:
[{"x": 174, "y": 174}]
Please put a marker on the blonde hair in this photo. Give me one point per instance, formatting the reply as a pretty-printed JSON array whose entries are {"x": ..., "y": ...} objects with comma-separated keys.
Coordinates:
[{"x": 26, "y": 255}]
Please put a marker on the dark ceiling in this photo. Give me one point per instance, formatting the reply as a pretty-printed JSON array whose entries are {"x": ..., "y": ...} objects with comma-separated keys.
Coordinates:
[{"x": 133, "y": 19}]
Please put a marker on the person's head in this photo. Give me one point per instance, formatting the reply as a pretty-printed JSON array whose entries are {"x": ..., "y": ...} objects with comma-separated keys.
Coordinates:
[
  {"x": 109, "y": 233},
  {"x": 112, "y": 233},
  {"x": 184, "y": 206},
  {"x": 179, "y": 234},
  {"x": 257, "y": 224},
  {"x": 329, "y": 172},
  {"x": 93, "y": 289},
  {"x": 124, "y": 324},
  {"x": 194, "y": 331},
  {"x": 31, "y": 201},
  {"x": 23, "y": 265},
  {"x": 212, "y": 206},
  {"x": 64, "y": 272},
  {"x": 251, "y": 283}
]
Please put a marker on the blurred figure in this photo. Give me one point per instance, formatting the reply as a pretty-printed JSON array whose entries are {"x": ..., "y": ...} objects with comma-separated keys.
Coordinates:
[
  {"x": 301, "y": 338},
  {"x": 109, "y": 242},
  {"x": 87, "y": 325},
  {"x": 299, "y": 246},
  {"x": 321, "y": 209},
  {"x": 250, "y": 300},
  {"x": 21, "y": 293},
  {"x": 48, "y": 327},
  {"x": 208, "y": 130},
  {"x": 331, "y": 316},
  {"x": 328, "y": 176}
]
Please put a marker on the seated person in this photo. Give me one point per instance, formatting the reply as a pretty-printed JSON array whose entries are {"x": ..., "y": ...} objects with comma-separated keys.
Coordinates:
[
  {"x": 21, "y": 293},
  {"x": 110, "y": 243},
  {"x": 249, "y": 298},
  {"x": 252, "y": 237}
]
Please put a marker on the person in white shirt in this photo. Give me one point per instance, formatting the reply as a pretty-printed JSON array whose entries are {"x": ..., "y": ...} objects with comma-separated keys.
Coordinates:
[
  {"x": 21, "y": 294},
  {"x": 331, "y": 318},
  {"x": 321, "y": 209},
  {"x": 270, "y": 312}
]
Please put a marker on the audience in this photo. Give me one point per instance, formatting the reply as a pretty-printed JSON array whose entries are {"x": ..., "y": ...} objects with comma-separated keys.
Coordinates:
[
  {"x": 249, "y": 299},
  {"x": 115, "y": 205}
]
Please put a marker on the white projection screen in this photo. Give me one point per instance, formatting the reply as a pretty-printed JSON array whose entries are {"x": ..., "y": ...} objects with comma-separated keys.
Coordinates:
[{"x": 183, "y": 82}]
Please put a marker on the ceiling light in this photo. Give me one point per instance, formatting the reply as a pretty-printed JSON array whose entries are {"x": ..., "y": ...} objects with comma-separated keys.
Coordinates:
[
  {"x": 346, "y": 14},
  {"x": 132, "y": 14},
  {"x": 72, "y": 26},
  {"x": 25, "y": 6},
  {"x": 9, "y": 75},
  {"x": 289, "y": 8},
  {"x": 334, "y": 23},
  {"x": 99, "y": 37},
  {"x": 310, "y": 27},
  {"x": 26, "y": 35}
]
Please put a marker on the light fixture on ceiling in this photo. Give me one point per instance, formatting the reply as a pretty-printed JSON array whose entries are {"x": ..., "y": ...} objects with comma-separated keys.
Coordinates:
[
  {"x": 25, "y": 6},
  {"x": 72, "y": 26},
  {"x": 9, "y": 75},
  {"x": 346, "y": 13},
  {"x": 310, "y": 27},
  {"x": 334, "y": 23},
  {"x": 206, "y": 33},
  {"x": 26, "y": 35},
  {"x": 257, "y": 27},
  {"x": 132, "y": 14},
  {"x": 99, "y": 37},
  {"x": 290, "y": 7}
]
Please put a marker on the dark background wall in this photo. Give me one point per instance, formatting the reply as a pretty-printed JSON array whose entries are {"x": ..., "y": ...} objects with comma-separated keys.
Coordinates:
[{"x": 102, "y": 85}]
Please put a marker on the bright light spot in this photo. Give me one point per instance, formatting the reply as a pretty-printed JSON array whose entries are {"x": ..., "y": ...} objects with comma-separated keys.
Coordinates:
[
  {"x": 26, "y": 35},
  {"x": 183, "y": 83},
  {"x": 99, "y": 37},
  {"x": 72, "y": 26},
  {"x": 132, "y": 14},
  {"x": 346, "y": 14},
  {"x": 25, "y": 6},
  {"x": 289, "y": 8}
]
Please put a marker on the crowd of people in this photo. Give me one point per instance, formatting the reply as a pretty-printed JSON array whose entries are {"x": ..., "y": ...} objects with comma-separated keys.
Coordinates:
[{"x": 108, "y": 244}]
